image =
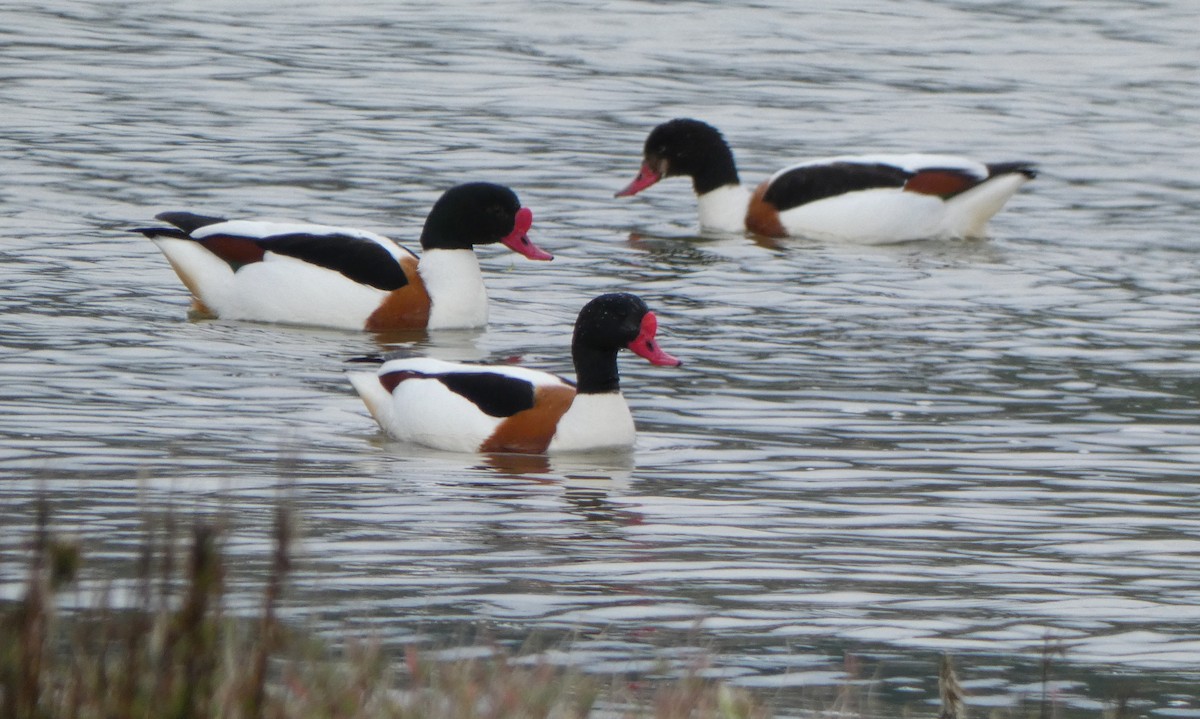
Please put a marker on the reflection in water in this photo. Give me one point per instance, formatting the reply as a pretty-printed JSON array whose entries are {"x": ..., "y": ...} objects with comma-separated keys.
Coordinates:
[{"x": 893, "y": 451}]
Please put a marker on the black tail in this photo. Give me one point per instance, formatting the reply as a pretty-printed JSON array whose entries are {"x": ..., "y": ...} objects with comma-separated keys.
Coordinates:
[
  {"x": 153, "y": 232},
  {"x": 187, "y": 222},
  {"x": 1027, "y": 169},
  {"x": 383, "y": 357}
]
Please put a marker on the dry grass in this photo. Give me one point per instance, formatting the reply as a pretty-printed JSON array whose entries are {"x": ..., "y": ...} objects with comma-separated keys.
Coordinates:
[
  {"x": 176, "y": 655},
  {"x": 172, "y": 652}
]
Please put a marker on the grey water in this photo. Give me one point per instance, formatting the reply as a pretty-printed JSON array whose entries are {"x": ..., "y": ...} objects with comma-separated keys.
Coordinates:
[{"x": 985, "y": 448}]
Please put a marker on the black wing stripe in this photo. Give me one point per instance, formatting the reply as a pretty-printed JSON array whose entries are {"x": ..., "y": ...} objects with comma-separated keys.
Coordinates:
[
  {"x": 359, "y": 259},
  {"x": 496, "y": 395},
  {"x": 803, "y": 185}
]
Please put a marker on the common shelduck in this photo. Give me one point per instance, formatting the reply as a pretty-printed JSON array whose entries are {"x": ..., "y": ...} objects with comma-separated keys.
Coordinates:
[
  {"x": 342, "y": 277},
  {"x": 869, "y": 198},
  {"x": 503, "y": 408}
]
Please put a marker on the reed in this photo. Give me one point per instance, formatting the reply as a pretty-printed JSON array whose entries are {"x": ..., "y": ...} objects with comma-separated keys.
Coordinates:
[
  {"x": 176, "y": 654},
  {"x": 172, "y": 651}
]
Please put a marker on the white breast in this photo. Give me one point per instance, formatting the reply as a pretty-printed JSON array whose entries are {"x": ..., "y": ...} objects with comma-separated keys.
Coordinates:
[
  {"x": 456, "y": 292},
  {"x": 724, "y": 209},
  {"x": 595, "y": 421}
]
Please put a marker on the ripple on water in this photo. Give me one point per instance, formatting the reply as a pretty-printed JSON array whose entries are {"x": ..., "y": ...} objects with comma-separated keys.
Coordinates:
[{"x": 937, "y": 446}]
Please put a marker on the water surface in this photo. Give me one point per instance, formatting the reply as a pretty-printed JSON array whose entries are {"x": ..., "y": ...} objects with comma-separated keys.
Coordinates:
[{"x": 984, "y": 448}]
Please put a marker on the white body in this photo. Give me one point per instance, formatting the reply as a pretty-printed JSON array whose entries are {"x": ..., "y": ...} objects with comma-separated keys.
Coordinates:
[
  {"x": 289, "y": 290},
  {"x": 877, "y": 215},
  {"x": 278, "y": 289},
  {"x": 426, "y": 412}
]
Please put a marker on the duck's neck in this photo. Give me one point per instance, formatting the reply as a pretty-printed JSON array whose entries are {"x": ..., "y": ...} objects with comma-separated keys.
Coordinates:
[
  {"x": 595, "y": 370},
  {"x": 714, "y": 167},
  {"x": 724, "y": 208},
  {"x": 456, "y": 293}
]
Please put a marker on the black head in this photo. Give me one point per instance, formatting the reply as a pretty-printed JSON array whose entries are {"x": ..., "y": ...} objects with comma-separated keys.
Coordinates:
[
  {"x": 480, "y": 213},
  {"x": 477, "y": 213},
  {"x": 694, "y": 149},
  {"x": 605, "y": 325},
  {"x": 610, "y": 321}
]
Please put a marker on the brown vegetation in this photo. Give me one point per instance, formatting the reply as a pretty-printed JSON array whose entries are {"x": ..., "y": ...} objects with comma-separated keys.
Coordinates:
[{"x": 177, "y": 655}]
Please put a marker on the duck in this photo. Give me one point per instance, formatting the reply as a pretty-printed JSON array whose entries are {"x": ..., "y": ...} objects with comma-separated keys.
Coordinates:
[
  {"x": 346, "y": 278},
  {"x": 481, "y": 408},
  {"x": 865, "y": 198}
]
